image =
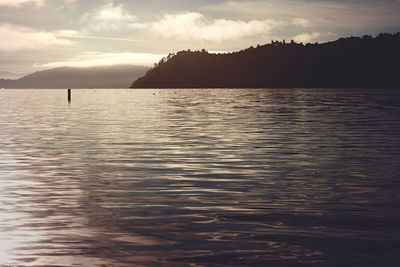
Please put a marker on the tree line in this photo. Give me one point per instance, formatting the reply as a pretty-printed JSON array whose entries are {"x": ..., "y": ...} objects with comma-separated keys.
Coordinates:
[{"x": 362, "y": 62}]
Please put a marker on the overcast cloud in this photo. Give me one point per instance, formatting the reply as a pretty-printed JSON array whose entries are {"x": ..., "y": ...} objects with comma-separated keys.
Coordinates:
[{"x": 41, "y": 34}]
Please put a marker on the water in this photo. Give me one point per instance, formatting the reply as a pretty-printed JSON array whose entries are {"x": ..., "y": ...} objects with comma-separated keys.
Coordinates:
[{"x": 263, "y": 177}]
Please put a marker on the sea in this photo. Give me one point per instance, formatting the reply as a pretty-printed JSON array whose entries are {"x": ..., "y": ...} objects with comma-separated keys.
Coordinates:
[{"x": 200, "y": 177}]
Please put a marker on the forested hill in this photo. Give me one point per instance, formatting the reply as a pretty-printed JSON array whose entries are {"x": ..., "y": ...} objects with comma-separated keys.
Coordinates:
[{"x": 347, "y": 62}]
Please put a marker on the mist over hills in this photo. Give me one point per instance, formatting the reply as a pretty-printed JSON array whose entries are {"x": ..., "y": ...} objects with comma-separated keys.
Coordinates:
[
  {"x": 9, "y": 75},
  {"x": 118, "y": 76},
  {"x": 347, "y": 63}
]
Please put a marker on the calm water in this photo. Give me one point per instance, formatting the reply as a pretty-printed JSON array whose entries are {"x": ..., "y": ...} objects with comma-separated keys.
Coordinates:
[{"x": 200, "y": 177}]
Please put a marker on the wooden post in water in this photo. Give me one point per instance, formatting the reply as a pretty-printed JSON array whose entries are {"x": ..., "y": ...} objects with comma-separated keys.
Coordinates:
[{"x": 69, "y": 95}]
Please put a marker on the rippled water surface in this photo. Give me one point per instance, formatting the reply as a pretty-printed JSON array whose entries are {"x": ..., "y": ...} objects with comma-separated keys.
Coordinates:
[{"x": 263, "y": 177}]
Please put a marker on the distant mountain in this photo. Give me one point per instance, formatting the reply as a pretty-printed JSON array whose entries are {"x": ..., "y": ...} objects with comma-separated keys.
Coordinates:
[
  {"x": 347, "y": 62},
  {"x": 119, "y": 76}
]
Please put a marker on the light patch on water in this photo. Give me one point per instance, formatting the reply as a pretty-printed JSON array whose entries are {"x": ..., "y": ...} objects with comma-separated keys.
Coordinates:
[{"x": 12, "y": 184}]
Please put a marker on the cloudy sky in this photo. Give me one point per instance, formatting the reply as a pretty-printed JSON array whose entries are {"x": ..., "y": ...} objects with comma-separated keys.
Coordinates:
[{"x": 42, "y": 34}]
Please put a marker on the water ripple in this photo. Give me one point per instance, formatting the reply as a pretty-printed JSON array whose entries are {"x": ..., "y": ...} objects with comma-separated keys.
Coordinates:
[{"x": 200, "y": 177}]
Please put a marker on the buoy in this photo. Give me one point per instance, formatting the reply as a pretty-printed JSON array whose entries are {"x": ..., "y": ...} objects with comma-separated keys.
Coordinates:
[{"x": 69, "y": 95}]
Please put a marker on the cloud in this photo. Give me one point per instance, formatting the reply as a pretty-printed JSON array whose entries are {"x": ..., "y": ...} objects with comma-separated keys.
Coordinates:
[
  {"x": 90, "y": 59},
  {"x": 70, "y": 3},
  {"x": 18, "y": 3},
  {"x": 67, "y": 32},
  {"x": 108, "y": 16},
  {"x": 351, "y": 15},
  {"x": 21, "y": 38},
  {"x": 192, "y": 26},
  {"x": 73, "y": 34},
  {"x": 301, "y": 22},
  {"x": 76, "y": 35},
  {"x": 307, "y": 37}
]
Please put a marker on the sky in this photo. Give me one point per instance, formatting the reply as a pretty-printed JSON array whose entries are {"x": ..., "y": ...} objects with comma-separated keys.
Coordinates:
[{"x": 43, "y": 34}]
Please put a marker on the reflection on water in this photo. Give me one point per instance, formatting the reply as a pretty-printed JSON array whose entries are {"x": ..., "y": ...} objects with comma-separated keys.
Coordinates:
[{"x": 199, "y": 177}]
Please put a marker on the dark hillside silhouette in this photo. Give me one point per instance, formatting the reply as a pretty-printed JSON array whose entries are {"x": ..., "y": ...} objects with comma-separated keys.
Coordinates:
[
  {"x": 119, "y": 76},
  {"x": 347, "y": 62}
]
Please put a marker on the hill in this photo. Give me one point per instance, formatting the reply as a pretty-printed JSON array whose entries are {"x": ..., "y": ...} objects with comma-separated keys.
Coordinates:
[
  {"x": 119, "y": 76},
  {"x": 347, "y": 62}
]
